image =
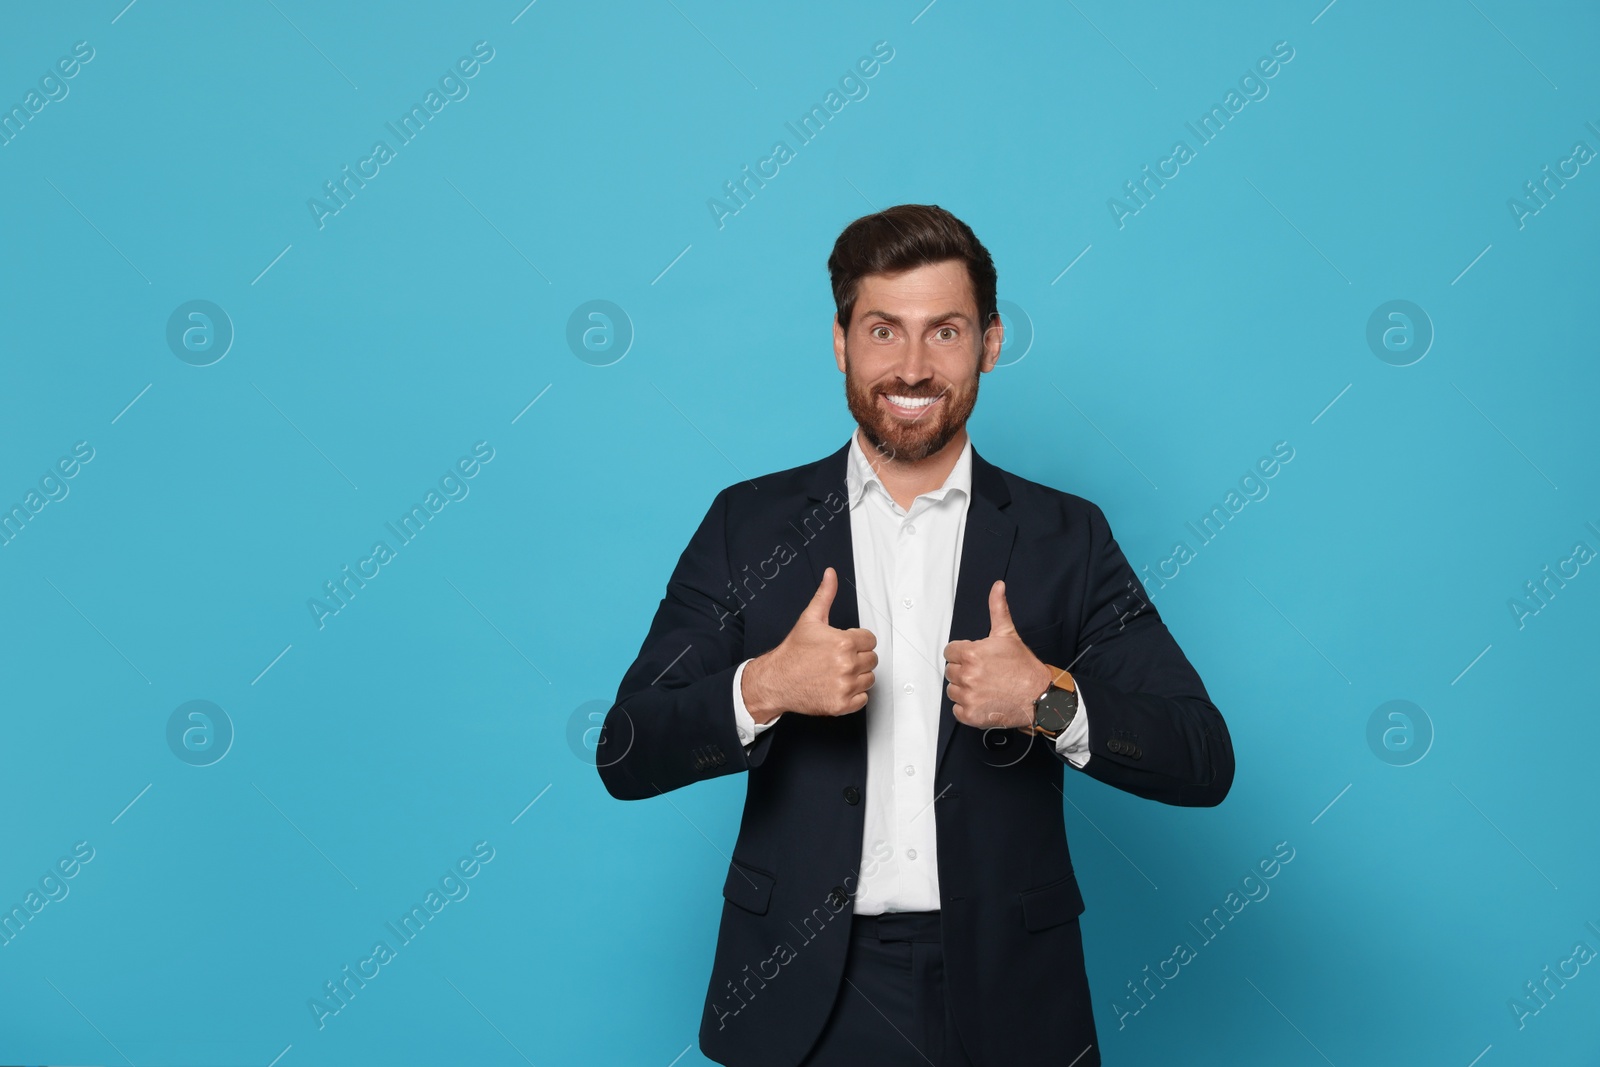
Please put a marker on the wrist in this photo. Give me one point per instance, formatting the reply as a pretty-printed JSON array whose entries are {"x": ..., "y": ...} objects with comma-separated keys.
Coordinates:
[
  {"x": 753, "y": 689},
  {"x": 1038, "y": 685},
  {"x": 1054, "y": 679},
  {"x": 1059, "y": 678}
]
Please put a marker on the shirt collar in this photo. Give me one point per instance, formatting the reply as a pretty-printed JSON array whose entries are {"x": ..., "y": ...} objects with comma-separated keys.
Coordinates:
[{"x": 859, "y": 474}]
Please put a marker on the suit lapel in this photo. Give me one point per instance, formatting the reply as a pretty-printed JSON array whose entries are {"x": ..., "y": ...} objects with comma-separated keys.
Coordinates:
[
  {"x": 826, "y": 535},
  {"x": 985, "y": 556}
]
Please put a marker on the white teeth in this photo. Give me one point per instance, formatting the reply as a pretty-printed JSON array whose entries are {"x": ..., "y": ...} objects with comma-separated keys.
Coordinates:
[{"x": 910, "y": 401}]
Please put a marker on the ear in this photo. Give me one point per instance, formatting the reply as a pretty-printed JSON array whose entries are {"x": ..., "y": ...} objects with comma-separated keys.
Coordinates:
[
  {"x": 993, "y": 338},
  {"x": 838, "y": 343}
]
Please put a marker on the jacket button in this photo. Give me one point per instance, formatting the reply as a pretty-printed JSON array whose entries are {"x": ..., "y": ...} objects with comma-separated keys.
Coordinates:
[
  {"x": 852, "y": 795},
  {"x": 838, "y": 898},
  {"x": 1114, "y": 745}
]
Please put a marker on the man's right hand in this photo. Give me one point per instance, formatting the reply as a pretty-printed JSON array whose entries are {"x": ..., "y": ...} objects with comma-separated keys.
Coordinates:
[{"x": 816, "y": 670}]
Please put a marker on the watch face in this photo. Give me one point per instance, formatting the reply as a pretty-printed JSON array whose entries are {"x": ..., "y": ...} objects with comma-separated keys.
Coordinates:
[{"x": 1055, "y": 710}]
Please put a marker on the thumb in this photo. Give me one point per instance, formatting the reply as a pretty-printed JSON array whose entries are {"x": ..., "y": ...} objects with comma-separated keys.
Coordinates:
[
  {"x": 822, "y": 599},
  {"x": 999, "y": 611}
]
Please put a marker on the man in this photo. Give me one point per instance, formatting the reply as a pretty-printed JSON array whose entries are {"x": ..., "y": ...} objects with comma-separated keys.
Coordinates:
[{"x": 901, "y": 891}]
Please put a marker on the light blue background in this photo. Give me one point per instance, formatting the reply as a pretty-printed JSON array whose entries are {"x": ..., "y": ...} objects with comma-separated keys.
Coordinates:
[{"x": 1227, "y": 315}]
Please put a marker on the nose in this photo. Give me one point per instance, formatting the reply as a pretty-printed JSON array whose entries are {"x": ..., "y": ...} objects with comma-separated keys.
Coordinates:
[{"x": 916, "y": 364}]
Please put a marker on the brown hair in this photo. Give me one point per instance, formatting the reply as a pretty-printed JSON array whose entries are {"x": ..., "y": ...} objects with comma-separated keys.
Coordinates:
[{"x": 901, "y": 238}]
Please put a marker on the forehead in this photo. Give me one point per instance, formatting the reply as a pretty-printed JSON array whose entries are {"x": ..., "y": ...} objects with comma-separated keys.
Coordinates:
[{"x": 932, "y": 288}]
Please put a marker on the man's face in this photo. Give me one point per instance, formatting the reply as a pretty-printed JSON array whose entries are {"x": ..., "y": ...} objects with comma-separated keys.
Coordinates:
[{"x": 912, "y": 357}]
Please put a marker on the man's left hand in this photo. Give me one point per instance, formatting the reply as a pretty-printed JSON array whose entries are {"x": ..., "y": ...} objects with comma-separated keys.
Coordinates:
[{"x": 993, "y": 682}]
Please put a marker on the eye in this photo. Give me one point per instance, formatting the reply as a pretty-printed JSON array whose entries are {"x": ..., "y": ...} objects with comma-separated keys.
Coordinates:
[
  {"x": 947, "y": 330},
  {"x": 881, "y": 332}
]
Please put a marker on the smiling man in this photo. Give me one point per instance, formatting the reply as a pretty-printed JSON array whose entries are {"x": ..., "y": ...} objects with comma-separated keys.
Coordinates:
[{"x": 905, "y": 646}]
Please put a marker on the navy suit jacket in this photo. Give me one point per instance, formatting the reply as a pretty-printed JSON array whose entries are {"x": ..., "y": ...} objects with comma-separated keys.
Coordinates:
[{"x": 1009, "y": 901}]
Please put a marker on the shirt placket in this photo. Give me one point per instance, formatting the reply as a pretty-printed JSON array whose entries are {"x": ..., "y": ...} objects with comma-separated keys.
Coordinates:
[{"x": 911, "y": 686}]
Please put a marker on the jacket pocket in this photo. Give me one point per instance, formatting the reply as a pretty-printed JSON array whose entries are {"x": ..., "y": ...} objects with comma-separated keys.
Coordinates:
[
  {"x": 1052, "y": 904},
  {"x": 749, "y": 887}
]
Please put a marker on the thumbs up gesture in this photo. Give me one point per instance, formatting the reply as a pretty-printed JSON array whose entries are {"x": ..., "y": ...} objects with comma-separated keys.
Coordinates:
[
  {"x": 817, "y": 669},
  {"x": 993, "y": 682}
]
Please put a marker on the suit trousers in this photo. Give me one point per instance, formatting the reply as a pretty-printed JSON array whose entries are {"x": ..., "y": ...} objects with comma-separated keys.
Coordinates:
[{"x": 891, "y": 1009}]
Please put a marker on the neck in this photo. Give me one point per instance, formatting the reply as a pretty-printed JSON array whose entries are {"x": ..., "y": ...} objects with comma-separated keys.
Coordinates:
[{"x": 908, "y": 479}]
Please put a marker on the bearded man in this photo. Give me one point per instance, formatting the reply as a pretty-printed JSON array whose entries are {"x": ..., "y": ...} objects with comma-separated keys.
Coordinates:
[{"x": 904, "y": 647}]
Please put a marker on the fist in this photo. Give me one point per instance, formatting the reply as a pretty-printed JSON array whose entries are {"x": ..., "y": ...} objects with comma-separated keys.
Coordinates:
[
  {"x": 818, "y": 669},
  {"x": 993, "y": 682}
]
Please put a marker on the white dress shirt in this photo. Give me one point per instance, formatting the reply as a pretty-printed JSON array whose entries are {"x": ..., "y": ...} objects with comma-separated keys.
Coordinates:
[{"x": 907, "y": 562}]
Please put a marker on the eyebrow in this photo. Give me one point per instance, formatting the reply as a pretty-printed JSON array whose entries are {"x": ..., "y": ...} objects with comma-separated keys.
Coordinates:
[{"x": 898, "y": 321}]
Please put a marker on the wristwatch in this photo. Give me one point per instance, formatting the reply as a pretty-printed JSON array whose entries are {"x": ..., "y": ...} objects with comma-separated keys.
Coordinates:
[{"x": 1054, "y": 709}]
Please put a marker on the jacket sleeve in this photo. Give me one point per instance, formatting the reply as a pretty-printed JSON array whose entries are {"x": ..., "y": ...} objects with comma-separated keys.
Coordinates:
[
  {"x": 1154, "y": 731},
  {"x": 673, "y": 721}
]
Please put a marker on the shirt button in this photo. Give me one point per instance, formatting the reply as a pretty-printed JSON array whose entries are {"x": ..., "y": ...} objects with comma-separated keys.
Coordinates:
[
  {"x": 744, "y": 735},
  {"x": 910, "y": 688},
  {"x": 907, "y": 602},
  {"x": 911, "y": 528},
  {"x": 910, "y": 769},
  {"x": 911, "y": 853}
]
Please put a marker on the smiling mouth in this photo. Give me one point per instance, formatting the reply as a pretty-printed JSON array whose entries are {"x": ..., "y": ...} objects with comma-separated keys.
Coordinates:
[{"x": 911, "y": 407}]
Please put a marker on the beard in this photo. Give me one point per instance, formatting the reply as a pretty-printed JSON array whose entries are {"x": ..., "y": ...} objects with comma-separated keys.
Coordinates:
[{"x": 905, "y": 439}]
